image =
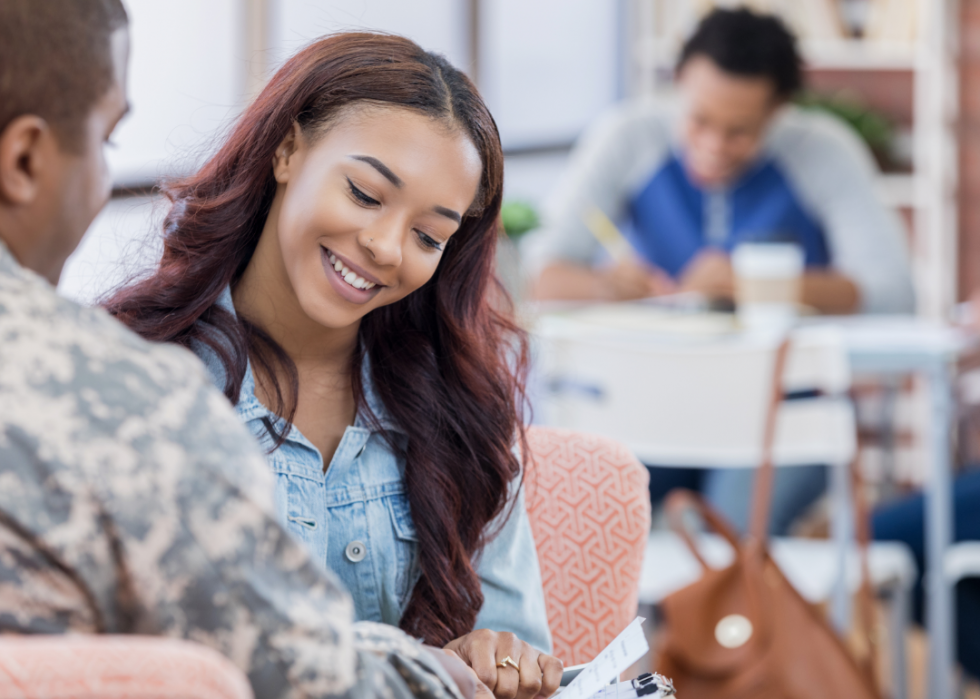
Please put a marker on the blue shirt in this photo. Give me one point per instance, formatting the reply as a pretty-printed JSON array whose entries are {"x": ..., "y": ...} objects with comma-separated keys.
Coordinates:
[
  {"x": 814, "y": 181},
  {"x": 355, "y": 518},
  {"x": 674, "y": 219}
]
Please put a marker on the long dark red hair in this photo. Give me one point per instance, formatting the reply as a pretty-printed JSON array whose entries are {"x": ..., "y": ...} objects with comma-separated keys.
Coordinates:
[{"x": 447, "y": 363}]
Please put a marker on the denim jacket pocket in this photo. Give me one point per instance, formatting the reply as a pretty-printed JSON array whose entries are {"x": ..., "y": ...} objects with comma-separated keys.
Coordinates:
[
  {"x": 296, "y": 500},
  {"x": 406, "y": 546}
]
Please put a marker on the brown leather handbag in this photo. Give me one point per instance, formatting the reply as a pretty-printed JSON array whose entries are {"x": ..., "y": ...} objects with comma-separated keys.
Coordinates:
[{"x": 743, "y": 631}]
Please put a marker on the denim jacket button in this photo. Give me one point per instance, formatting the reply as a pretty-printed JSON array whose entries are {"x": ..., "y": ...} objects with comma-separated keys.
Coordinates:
[{"x": 355, "y": 551}]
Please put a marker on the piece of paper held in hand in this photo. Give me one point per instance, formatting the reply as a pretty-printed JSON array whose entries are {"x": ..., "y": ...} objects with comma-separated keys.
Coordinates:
[
  {"x": 626, "y": 649},
  {"x": 625, "y": 690}
]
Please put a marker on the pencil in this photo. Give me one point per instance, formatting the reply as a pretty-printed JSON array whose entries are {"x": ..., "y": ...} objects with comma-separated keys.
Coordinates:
[{"x": 608, "y": 235}]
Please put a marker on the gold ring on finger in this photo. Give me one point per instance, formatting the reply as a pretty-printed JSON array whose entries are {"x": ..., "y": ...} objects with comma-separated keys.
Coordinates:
[{"x": 509, "y": 662}]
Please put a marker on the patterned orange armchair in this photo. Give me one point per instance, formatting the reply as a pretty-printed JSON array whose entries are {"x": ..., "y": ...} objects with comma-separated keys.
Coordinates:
[
  {"x": 113, "y": 667},
  {"x": 589, "y": 507}
]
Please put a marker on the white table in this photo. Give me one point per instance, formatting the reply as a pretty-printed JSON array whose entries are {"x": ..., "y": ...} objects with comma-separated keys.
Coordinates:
[{"x": 877, "y": 346}]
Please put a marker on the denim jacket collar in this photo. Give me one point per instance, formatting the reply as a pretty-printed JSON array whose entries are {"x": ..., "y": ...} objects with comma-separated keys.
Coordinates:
[{"x": 250, "y": 407}]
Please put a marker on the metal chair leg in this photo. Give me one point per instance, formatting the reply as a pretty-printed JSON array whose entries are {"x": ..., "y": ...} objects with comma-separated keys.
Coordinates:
[
  {"x": 900, "y": 613},
  {"x": 842, "y": 533}
]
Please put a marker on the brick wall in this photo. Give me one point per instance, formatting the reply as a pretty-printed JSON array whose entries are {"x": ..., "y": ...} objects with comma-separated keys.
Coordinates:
[
  {"x": 888, "y": 91},
  {"x": 891, "y": 93},
  {"x": 969, "y": 142}
]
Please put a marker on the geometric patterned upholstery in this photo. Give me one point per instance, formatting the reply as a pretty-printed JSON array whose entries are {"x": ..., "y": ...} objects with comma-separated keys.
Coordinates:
[
  {"x": 589, "y": 507},
  {"x": 113, "y": 667}
]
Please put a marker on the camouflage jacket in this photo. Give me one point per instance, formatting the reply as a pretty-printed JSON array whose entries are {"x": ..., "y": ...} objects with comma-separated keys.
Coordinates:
[{"x": 133, "y": 501}]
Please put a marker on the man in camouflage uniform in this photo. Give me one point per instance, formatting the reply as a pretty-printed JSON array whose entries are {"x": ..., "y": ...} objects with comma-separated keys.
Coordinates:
[{"x": 132, "y": 500}]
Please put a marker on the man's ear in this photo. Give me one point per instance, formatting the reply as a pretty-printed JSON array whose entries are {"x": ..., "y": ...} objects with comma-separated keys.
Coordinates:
[
  {"x": 22, "y": 146},
  {"x": 285, "y": 150}
]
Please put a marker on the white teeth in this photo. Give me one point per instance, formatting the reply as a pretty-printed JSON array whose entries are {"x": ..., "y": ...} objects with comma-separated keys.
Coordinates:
[{"x": 349, "y": 276}]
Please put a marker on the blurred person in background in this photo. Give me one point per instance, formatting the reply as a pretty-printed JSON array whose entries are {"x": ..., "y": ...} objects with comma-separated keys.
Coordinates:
[
  {"x": 730, "y": 159},
  {"x": 134, "y": 501},
  {"x": 904, "y": 520},
  {"x": 332, "y": 265}
]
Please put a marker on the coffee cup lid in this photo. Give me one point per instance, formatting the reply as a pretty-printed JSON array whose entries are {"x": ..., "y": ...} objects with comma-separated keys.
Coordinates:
[{"x": 767, "y": 260}]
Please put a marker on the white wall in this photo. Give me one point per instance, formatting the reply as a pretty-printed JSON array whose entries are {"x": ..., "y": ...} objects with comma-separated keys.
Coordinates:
[
  {"x": 123, "y": 242},
  {"x": 186, "y": 80},
  {"x": 548, "y": 67},
  {"x": 436, "y": 25}
]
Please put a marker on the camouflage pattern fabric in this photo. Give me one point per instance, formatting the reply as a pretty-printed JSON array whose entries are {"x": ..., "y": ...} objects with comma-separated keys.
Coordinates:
[{"x": 133, "y": 501}]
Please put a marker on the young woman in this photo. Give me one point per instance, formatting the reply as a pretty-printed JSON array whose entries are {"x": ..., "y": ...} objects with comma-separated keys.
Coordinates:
[{"x": 332, "y": 264}]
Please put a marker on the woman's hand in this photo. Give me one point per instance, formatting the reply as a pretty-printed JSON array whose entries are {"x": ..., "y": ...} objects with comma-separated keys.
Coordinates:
[{"x": 536, "y": 676}]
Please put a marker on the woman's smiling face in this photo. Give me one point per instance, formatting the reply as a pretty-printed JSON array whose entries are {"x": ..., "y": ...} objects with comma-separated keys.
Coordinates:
[{"x": 363, "y": 212}]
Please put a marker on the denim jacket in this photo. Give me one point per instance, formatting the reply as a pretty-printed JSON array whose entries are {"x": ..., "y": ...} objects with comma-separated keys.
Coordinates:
[{"x": 355, "y": 518}]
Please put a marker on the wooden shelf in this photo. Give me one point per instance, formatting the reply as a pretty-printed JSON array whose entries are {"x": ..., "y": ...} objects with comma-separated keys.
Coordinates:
[
  {"x": 856, "y": 54},
  {"x": 846, "y": 54}
]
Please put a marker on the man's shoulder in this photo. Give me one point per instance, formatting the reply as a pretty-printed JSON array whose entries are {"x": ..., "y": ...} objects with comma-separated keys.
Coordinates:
[
  {"x": 646, "y": 118},
  {"x": 43, "y": 330},
  {"x": 812, "y": 133},
  {"x": 626, "y": 143},
  {"x": 88, "y": 396},
  {"x": 56, "y": 352}
]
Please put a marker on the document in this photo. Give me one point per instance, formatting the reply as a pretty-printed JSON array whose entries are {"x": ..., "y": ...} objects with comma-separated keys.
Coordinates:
[
  {"x": 615, "y": 659},
  {"x": 627, "y": 690}
]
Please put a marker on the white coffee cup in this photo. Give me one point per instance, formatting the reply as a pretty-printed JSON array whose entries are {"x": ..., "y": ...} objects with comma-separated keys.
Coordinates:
[{"x": 768, "y": 279}]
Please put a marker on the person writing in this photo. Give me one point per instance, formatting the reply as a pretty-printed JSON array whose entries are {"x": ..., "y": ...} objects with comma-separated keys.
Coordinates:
[
  {"x": 133, "y": 500},
  {"x": 728, "y": 160},
  {"x": 332, "y": 265}
]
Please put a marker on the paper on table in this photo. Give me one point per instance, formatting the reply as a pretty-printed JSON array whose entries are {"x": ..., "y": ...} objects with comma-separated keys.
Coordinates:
[
  {"x": 626, "y": 649},
  {"x": 620, "y": 690}
]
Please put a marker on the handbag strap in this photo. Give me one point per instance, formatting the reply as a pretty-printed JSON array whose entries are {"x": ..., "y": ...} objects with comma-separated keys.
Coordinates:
[
  {"x": 680, "y": 501},
  {"x": 761, "y": 504},
  {"x": 761, "y": 501}
]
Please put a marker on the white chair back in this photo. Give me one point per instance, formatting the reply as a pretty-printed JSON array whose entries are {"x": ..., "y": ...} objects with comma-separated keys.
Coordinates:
[{"x": 701, "y": 404}]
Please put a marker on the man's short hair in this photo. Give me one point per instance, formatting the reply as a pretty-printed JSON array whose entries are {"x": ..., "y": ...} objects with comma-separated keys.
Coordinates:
[
  {"x": 56, "y": 60},
  {"x": 744, "y": 43}
]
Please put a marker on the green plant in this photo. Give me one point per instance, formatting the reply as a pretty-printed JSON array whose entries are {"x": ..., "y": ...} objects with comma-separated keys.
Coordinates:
[
  {"x": 876, "y": 130},
  {"x": 518, "y": 217}
]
